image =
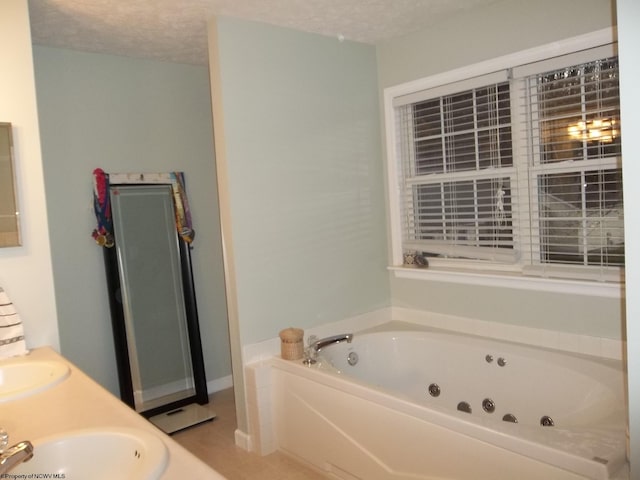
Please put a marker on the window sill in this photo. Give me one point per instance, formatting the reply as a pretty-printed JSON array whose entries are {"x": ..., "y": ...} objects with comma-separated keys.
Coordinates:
[{"x": 511, "y": 279}]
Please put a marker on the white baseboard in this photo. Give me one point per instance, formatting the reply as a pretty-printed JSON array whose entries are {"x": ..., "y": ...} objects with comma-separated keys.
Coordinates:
[
  {"x": 218, "y": 384},
  {"x": 243, "y": 440}
]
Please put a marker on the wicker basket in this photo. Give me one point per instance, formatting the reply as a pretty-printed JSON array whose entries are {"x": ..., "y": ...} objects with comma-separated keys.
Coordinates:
[{"x": 291, "y": 345}]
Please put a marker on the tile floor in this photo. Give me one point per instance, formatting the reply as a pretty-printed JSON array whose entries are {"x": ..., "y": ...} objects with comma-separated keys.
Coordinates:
[{"x": 213, "y": 442}]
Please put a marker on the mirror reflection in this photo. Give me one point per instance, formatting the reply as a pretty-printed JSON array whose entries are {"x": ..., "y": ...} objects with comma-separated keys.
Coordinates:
[
  {"x": 152, "y": 294},
  {"x": 9, "y": 227}
]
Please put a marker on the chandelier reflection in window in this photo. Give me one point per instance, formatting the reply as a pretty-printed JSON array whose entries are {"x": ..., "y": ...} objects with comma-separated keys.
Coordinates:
[{"x": 598, "y": 130}]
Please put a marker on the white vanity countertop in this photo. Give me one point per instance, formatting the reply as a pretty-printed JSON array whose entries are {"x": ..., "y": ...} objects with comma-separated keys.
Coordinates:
[{"x": 78, "y": 402}]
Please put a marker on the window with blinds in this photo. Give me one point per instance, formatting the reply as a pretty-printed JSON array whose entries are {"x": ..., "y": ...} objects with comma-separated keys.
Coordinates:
[
  {"x": 457, "y": 165},
  {"x": 575, "y": 165},
  {"x": 520, "y": 167}
]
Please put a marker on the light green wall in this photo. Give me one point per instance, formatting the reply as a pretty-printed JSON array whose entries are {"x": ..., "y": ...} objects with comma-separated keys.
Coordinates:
[
  {"x": 124, "y": 115},
  {"x": 305, "y": 177},
  {"x": 587, "y": 315},
  {"x": 471, "y": 37}
]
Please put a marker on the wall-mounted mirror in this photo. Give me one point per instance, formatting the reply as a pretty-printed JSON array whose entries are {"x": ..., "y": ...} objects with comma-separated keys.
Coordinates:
[
  {"x": 151, "y": 293},
  {"x": 9, "y": 224}
]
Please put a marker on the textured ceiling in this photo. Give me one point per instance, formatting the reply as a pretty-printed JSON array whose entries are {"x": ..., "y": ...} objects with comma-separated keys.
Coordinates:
[{"x": 175, "y": 30}]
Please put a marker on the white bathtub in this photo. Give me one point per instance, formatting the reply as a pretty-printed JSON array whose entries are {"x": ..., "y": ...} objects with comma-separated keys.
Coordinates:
[{"x": 394, "y": 414}]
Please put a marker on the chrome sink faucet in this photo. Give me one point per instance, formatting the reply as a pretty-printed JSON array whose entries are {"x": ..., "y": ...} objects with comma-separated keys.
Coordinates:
[
  {"x": 14, "y": 455},
  {"x": 316, "y": 345}
]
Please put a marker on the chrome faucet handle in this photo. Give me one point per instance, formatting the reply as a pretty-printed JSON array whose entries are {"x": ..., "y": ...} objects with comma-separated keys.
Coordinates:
[
  {"x": 310, "y": 354},
  {"x": 14, "y": 455},
  {"x": 4, "y": 439}
]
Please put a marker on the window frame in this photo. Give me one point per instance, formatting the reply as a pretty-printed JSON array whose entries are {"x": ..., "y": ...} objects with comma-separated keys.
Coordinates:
[{"x": 482, "y": 272}]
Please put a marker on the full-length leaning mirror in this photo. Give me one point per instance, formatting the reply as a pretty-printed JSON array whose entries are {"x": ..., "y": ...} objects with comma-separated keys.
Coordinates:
[
  {"x": 9, "y": 225},
  {"x": 144, "y": 227}
]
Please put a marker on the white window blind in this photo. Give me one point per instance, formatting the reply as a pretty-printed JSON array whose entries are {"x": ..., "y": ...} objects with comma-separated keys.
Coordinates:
[
  {"x": 520, "y": 166},
  {"x": 457, "y": 166},
  {"x": 573, "y": 126}
]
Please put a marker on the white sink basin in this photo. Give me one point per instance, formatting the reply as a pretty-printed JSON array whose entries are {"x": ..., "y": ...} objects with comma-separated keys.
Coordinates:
[
  {"x": 104, "y": 453},
  {"x": 23, "y": 377}
]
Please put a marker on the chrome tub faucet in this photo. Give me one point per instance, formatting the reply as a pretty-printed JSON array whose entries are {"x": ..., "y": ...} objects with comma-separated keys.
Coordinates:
[
  {"x": 316, "y": 345},
  {"x": 14, "y": 455}
]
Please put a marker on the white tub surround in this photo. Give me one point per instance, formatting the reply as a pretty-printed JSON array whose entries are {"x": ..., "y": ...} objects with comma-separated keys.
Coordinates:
[
  {"x": 340, "y": 417},
  {"x": 265, "y": 350},
  {"x": 537, "y": 337},
  {"x": 352, "y": 431},
  {"x": 79, "y": 403}
]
